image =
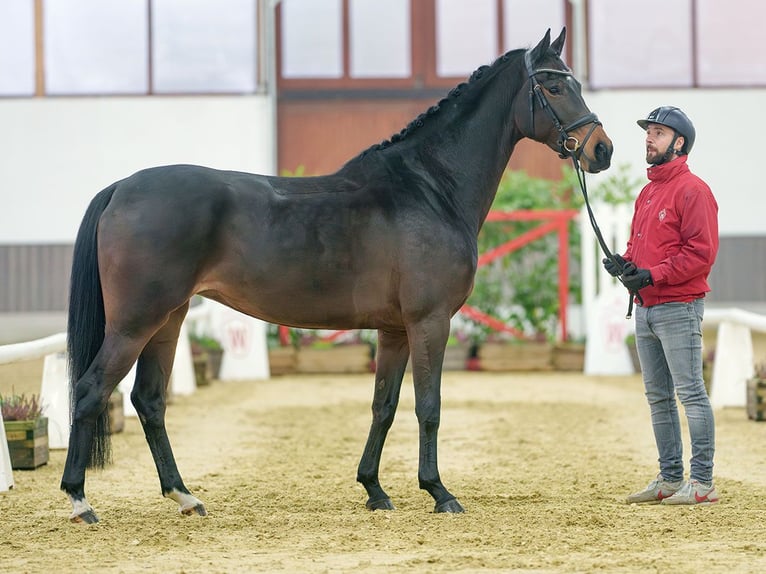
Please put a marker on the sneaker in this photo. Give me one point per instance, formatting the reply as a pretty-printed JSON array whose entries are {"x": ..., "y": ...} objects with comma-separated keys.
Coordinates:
[
  {"x": 694, "y": 492},
  {"x": 655, "y": 492}
]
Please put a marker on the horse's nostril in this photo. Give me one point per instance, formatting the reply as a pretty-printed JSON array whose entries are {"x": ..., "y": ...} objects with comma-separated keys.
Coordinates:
[{"x": 603, "y": 153}]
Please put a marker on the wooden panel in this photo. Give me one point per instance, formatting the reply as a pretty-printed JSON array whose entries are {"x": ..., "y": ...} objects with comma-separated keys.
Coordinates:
[
  {"x": 34, "y": 277},
  {"x": 739, "y": 274},
  {"x": 322, "y": 135}
]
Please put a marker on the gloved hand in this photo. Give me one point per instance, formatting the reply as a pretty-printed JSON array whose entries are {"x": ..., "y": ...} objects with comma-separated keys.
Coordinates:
[
  {"x": 611, "y": 268},
  {"x": 637, "y": 280}
]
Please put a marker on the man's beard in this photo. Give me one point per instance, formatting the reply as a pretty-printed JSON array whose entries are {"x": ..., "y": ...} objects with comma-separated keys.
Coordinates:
[{"x": 654, "y": 157}]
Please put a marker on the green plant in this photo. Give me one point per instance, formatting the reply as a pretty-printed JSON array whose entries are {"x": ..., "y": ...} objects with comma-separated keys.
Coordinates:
[
  {"x": 521, "y": 288},
  {"x": 201, "y": 343},
  {"x": 20, "y": 407}
]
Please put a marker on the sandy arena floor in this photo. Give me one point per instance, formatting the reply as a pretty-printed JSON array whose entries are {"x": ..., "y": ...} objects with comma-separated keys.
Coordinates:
[{"x": 541, "y": 463}]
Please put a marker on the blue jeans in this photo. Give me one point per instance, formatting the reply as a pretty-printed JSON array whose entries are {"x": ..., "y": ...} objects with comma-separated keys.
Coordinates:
[{"x": 669, "y": 342}]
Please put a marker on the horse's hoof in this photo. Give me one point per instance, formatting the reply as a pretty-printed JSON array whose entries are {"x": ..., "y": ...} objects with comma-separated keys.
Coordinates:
[
  {"x": 198, "y": 508},
  {"x": 451, "y": 505},
  {"x": 87, "y": 517},
  {"x": 382, "y": 504}
]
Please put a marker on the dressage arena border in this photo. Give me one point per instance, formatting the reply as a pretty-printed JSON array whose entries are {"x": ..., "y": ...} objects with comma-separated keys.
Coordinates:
[{"x": 542, "y": 462}]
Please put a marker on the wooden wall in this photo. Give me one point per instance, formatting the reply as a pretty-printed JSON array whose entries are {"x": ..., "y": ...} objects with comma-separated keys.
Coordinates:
[{"x": 322, "y": 134}]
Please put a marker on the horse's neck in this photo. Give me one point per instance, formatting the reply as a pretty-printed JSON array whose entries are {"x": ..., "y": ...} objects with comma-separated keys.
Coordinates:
[{"x": 470, "y": 152}]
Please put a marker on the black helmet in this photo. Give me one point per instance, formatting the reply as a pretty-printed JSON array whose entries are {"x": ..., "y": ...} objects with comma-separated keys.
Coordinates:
[{"x": 673, "y": 118}]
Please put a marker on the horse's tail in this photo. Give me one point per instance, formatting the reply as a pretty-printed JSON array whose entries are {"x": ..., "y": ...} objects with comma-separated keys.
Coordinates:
[{"x": 86, "y": 320}]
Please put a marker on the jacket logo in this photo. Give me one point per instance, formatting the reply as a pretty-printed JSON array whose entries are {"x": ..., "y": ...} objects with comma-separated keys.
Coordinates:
[{"x": 662, "y": 215}]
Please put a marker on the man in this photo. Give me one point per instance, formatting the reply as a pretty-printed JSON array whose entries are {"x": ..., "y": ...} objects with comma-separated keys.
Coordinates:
[{"x": 672, "y": 247}]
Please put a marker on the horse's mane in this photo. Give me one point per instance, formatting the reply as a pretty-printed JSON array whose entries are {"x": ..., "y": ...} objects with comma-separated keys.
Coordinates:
[{"x": 482, "y": 72}]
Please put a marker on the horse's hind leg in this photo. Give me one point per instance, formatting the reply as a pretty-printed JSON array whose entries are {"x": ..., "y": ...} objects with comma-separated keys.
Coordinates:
[
  {"x": 149, "y": 398},
  {"x": 392, "y": 356},
  {"x": 89, "y": 437}
]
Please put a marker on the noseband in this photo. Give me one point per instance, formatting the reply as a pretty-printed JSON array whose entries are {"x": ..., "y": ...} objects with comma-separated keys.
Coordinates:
[{"x": 568, "y": 145}]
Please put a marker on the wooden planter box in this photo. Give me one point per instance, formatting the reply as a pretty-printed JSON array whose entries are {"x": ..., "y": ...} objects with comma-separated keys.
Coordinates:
[
  {"x": 116, "y": 410},
  {"x": 527, "y": 356},
  {"x": 201, "y": 370},
  {"x": 27, "y": 443},
  {"x": 355, "y": 358},
  {"x": 756, "y": 399},
  {"x": 283, "y": 360},
  {"x": 455, "y": 358},
  {"x": 569, "y": 357}
]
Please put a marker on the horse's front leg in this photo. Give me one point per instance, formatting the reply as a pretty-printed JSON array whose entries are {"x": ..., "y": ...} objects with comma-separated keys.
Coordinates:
[
  {"x": 428, "y": 340},
  {"x": 391, "y": 362},
  {"x": 149, "y": 397}
]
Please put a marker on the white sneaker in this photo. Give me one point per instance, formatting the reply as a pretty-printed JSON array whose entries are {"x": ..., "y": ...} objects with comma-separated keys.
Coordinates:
[
  {"x": 655, "y": 492},
  {"x": 694, "y": 492}
]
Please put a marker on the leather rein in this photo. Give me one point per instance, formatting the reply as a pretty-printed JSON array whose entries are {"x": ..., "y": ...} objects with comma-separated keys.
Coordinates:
[{"x": 570, "y": 146}]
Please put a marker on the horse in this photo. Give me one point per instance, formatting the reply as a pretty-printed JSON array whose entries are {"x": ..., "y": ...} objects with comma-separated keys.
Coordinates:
[{"x": 388, "y": 242}]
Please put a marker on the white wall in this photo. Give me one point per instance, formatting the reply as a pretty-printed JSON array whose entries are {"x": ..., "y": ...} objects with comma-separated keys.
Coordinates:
[
  {"x": 729, "y": 125},
  {"x": 57, "y": 153}
]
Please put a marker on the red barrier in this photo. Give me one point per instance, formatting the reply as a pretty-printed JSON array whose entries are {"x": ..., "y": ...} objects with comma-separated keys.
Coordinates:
[{"x": 552, "y": 221}]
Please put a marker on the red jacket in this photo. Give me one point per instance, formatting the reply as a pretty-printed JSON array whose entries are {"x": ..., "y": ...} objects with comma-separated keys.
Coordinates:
[{"x": 674, "y": 233}]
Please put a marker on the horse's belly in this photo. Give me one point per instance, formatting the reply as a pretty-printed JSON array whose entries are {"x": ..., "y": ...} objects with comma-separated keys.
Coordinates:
[{"x": 328, "y": 304}]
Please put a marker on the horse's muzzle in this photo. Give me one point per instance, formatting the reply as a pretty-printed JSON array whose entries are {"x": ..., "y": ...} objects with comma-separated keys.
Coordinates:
[{"x": 599, "y": 156}]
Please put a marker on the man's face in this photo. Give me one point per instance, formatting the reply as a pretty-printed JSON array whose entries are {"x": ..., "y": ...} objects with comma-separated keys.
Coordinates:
[{"x": 658, "y": 138}]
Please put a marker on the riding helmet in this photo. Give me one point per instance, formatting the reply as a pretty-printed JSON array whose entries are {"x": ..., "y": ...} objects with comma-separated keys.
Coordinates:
[{"x": 673, "y": 118}]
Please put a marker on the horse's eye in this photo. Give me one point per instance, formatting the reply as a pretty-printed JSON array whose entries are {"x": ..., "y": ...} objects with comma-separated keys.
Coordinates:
[{"x": 554, "y": 89}]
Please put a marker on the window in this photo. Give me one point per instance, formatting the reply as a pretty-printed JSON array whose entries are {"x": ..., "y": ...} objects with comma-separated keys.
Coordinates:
[
  {"x": 466, "y": 36},
  {"x": 202, "y": 46},
  {"x": 403, "y": 43},
  {"x": 312, "y": 38},
  {"x": 17, "y": 48},
  {"x": 730, "y": 55},
  {"x": 379, "y": 39},
  {"x": 96, "y": 47},
  {"x": 659, "y": 44}
]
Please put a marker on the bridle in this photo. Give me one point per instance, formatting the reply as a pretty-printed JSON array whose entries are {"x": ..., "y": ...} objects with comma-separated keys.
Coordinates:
[{"x": 570, "y": 146}]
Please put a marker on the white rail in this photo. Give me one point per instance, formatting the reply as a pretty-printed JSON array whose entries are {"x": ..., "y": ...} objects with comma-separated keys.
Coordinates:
[{"x": 32, "y": 349}]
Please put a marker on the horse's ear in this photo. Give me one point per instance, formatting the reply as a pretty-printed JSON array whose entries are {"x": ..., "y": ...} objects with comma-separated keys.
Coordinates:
[
  {"x": 541, "y": 48},
  {"x": 558, "y": 43}
]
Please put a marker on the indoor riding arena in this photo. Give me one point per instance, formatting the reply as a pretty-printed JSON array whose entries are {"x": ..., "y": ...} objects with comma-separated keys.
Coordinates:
[{"x": 541, "y": 462}]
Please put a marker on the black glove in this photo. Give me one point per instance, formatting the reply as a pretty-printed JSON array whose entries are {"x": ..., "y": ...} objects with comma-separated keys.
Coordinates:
[
  {"x": 611, "y": 268},
  {"x": 637, "y": 280}
]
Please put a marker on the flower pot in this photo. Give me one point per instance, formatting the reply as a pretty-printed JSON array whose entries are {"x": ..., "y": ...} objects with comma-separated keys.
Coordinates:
[
  {"x": 116, "y": 410},
  {"x": 214, "y": 358},
  {"x": 201, "y": 370},
  {"x": 27, "y": 443},
  {"x": 756, "y": 399}
]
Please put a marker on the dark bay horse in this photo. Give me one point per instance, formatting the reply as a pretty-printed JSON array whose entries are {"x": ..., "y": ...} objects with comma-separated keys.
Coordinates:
[{"x": 387, "y": 243}]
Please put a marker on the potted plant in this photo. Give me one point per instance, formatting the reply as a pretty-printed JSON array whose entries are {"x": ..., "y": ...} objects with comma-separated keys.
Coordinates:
[
  {"x": 207, "y": 354},
  {"x": 26, "y": 430},
  {"x": 756, "y": 394}
]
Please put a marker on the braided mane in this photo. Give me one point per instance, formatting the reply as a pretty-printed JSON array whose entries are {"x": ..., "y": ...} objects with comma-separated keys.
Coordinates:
[{"x": 482, "y": 72}]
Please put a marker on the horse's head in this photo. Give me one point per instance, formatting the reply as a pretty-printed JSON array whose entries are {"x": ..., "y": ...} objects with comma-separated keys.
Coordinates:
[{"x": 552, "y": 111}]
